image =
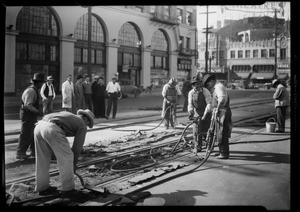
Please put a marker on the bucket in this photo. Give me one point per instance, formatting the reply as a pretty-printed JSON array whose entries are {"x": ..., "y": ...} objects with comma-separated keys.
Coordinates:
[{"x": 270, "y": 126}]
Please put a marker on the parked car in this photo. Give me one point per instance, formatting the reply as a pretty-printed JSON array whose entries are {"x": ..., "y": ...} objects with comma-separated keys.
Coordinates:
[{"x": 127, "y": 88}]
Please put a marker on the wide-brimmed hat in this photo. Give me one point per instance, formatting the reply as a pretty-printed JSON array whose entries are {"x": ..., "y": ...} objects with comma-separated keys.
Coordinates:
[
  {"x": 89, "y": 114},
  {"x": 37, "y": 77},
  {"x": 275, "y": 82},
  {"x": 79, "y": 77},
  {"x": 207, "y": 78},
  {"x": 195, "y": 80},
  {"x": 50, "y": 78}
]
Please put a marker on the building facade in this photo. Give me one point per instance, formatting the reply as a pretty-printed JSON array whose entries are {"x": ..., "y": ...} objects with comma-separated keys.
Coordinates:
[
  {"x": 146, "y": 44},
  {"x": 249, "y": 54}
]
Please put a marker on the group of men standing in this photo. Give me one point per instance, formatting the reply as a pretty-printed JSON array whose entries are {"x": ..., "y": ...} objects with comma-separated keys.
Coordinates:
[{"x": 207, "y": 99}]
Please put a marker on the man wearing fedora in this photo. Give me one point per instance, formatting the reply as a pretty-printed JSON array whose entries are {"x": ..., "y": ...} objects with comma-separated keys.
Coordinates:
[
  {"x": 282, "y": 101},
  {"x": 48, "y": 95},
  {"x": 221, "y": 109},
  {"x": 51, "y": 134},
  {"x": 199, "y": 104},
  {"x": 29, "y": 113}
]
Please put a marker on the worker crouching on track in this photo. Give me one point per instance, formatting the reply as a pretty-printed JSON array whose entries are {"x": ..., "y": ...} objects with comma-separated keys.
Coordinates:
[
  {"x": 170, "y": 92},
  {"x": 51, "y": 134},
  {"x": 199, "y": 103},
  {"x": 221, "y": 109}
]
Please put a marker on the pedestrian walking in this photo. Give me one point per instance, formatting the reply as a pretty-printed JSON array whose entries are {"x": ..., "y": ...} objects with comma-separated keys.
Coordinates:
[
  {"x": 51, "y": 134},
  {"x": 87, "y": 89},
  {"x": 185, "y": 91},
  {"x": 169, "y": 93},
  {"x": 78, "y": 92},
  {"x": 98, "y": 96},
  {"x": 67, "y": 91},
  {"x": 113, "y": 89},
  {"x": 29, "y": 113},
  {"x": 282, "y": 102},
  {"x": 48, "y": 95},
  {"x": 221, "y": 110},
  {"x": 199, "y": 105}
]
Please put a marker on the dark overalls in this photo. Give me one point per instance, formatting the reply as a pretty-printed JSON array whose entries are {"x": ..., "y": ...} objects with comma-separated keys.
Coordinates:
[
  {"x": 169, "y": 106},
  {"x": 28, "y": 124},
  {"x": 200, "y": 129}
]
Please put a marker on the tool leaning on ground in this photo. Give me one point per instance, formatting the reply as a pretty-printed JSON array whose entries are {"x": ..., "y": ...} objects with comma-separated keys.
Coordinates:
[{"x": 101, "y": 190}]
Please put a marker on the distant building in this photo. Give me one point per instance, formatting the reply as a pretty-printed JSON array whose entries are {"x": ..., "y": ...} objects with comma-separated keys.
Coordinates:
[
  {"x": 147, "y": 44},
  {"x": 246, "y": 50}
]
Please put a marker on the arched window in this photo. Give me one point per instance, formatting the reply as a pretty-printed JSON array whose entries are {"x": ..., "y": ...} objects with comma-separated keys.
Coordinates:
[
  {"x": 128, "y": 36},
  {"x": 98, "y": 64},
  {"x": 37, "y": 20},
  {"x": 81, "y": 29},
  {"x": 159, "y": 41},
  {"x": 37, "y": 45}
]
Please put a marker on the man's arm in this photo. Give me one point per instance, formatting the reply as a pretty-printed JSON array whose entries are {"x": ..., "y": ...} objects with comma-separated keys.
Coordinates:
[
  {"x": 42, "y": 91},
  {"x": 78, "y": 143},
  {"x": 54, "y": 95},
  {"x": 190, "y": 103},
  {"x": 29, "y": 98}
]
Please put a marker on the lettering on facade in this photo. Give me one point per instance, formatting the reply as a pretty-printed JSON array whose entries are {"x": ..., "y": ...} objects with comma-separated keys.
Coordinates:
[
  {"x": 283, "y": 66},
  {"x": 184, "y": 64}
]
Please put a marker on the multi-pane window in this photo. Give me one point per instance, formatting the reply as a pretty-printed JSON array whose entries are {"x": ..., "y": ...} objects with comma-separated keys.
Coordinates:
[
  {"x": 21, "y": 51},
  {"x": 240, "y": 53},
  {"x": 120, "y": 58},
  {"x": 180, "y": 41},
  {"x": 282, "y": 54},
  {"x": 263, "y": 53},
  {"x": 189, "y": 16},
  {"x": 158, "y": 62},
  {"x": 52, "y": 53},
  {"x": 165, "y": 62},
  {"x": 37, "y": 20},
  {"x": 152, "y": 61},
  {"x": 36, "y": 51},
  {"x": 81, "y": 29},
  {"x": 179, "y": 15},
  {"x": 221, "y": 54},
  {"x": 255, "y": 53},
  {"x": 188, "y": 43},
  {"x": 128, "y": 36},
  {"x": 92, "y": 56},
  {"x": 84, "y": 55},
  {"x": 166, "y": 12},
  {"x": 247, "y": 53},
  {"x": 272, "y": 53},
  {"x": 232, "y": 54},
  {"x": 77, "y": 55},
  {"x": 127, "y": 59},
  {"x": 99, "y": 57},
  {"x": 159, "y": 41}
]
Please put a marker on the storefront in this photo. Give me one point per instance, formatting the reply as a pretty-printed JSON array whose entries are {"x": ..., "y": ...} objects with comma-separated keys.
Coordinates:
[{"x": 184, "y": 67}]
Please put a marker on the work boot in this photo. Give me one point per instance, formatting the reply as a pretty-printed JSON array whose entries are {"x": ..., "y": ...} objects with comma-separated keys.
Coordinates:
[
  {"x": 49, "y": 191},
  {"x": 22, "y": 156},
  {"x": 70, "y": 194},
  {"x": 222, "y": 156}
]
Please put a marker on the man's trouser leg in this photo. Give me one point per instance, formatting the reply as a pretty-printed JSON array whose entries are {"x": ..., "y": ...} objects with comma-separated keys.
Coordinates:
[
  {"x": 49, "y": 136},
  {"x": 185, "y": 104},
  {"x": 26, "y": 137},
  {"x": 115, "y": 104},
  {"x": 224, "y": 133},
  {"x": 109, "y": 103},
  {"x": 281, "y": 112}
]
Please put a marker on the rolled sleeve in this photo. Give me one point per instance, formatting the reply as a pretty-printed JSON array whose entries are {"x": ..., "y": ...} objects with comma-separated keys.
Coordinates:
[
  {"x": 190, "y": 100},
  {"x": 208, "y": 99}
]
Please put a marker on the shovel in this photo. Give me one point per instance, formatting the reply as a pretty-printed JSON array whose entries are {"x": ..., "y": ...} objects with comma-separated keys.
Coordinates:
[{"x": 101, "y": 190}]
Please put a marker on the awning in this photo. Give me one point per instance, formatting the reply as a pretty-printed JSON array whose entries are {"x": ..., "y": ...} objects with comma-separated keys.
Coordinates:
[
  {"x": 262, "y": 75},
  {"x": 243, "y": 75}
]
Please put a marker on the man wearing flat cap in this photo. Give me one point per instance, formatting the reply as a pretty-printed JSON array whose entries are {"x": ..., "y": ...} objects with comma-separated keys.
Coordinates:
[
  {"x": 199, "y": 104},
  {"x": 51, "y": 134},
  {"x": 221, "y": 110},
  {"x": 282, "y": 101},
  {"x": 48, "y": 95},
  {"x": 29, "y": 113}
]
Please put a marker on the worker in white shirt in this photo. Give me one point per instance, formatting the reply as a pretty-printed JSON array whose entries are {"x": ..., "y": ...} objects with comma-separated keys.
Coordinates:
[
  {"x": 113, "y": 88},
  {"x": 48, "y": 95}
]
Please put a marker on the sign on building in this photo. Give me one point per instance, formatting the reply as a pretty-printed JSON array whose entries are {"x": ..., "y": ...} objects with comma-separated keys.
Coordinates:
[{"x": 183, "y": 64}]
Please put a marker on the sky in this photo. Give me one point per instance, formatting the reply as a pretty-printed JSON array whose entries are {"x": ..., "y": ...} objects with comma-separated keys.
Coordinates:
[{"x": 236, "y": 12}]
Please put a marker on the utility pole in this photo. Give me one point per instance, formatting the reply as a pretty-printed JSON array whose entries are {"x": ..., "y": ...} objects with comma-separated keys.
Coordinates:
[
  {"x": 206, "y": 44},
  {"x": 275, "y": 33},
  {"x": 89, "y": 41}
]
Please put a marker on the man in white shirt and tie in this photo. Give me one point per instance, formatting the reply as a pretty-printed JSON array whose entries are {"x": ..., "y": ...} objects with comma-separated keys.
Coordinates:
[
  {"x": 48, "y": 95},
  {"x": 112, "y": 89}
]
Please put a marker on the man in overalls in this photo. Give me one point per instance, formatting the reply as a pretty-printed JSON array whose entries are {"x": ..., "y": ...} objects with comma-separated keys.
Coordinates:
[
  {"x": 199, "y": 103},
  {"x": 221, "y": 110},
  {"x": 170, "y": 92}
]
